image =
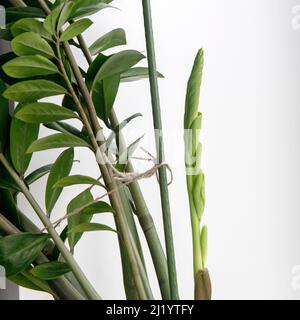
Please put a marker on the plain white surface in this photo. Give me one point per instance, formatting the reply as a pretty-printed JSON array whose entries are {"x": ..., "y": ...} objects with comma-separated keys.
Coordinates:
[{"x": 250, "y": 103}]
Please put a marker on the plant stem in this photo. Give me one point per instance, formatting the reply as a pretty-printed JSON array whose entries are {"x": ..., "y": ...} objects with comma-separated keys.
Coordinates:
[
  {"x": 116, "y": 202},
  {"x": 17, "y": 3},
  {"x": 160, "y": 150},
  {"x": 86, "y": 286}
]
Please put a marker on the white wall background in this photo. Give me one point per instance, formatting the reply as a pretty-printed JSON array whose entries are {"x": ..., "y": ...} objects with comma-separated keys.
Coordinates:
[{"x": 251, "y": 134}]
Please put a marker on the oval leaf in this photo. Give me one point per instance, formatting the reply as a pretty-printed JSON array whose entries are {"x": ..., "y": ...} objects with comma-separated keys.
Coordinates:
[
  {"x": 50, "y": 270},
  {"x": 112, "y": 39},
  {"x": 4, "y": 117},
  {"x": 84, "y": 8},
  {"x": 21, "y": 137},
  {"x": 75, "y": 180},
  {"x": 29, "y": 66},
  {"x": 118, "y": 63},
  {"x": 30, "y": 25},
  {"x": 50, "y": 22},
  {"x": 58, "y": 140},
  {"x": 75, "y": 29},
  {"x": 14, "y": 14},
  {"x": 60, "y": 169},
  {"x": 80, "y": 217},
  {"x": 18, "y": 251},
  {"x": 27, "y": 91},
  {"x": 30, "y": 43},
  {"x": 42, "y": 112},
  {"x": 65, "y": 14}
]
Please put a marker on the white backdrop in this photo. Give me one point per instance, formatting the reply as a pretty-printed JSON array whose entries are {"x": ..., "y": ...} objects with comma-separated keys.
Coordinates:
[{"x": 251, "y": 134}]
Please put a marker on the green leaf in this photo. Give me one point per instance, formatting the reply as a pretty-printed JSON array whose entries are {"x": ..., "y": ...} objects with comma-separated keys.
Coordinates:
[
  {"x": 23, "y": 281},
  {"x": 104, "y": 94},
  {"x": 79, "y": 218},
  {"x": 65, "y": 14},
  {"x": 75, "y": 29},
  {"x": 111, "y": 39},
  {"x": 4, "y": 117},
  {"x": 37, "y": 174},
  {"x": 118, "y": 63},
  {"x": 17, "y": 13},
  {"x": 97, "y": 207},
  {"x": 30, "y": 43},
  {"x": 138, "y": 73},
  {"x": 58, "y": 140},
  {"x": 50, "y": 22},
  {"x": 76, "y": 179},
  {"x": 94, "y": 68},
  {"x": 87, "y": 227},
  {"x": 32, "y": 90},
  {"x": 21, "y": 137},
  {"x": 18, "y": 251},
  {"x": 84, "y": 8},
  {"x": 50, "y": 270},
  {"x": 61, "y": 168},
  {"x": 65, "y": 128},
  {"x": 30, "y": 25},
  {"x": 42, "y": 112},
  {"x": 29, "y": 66}
]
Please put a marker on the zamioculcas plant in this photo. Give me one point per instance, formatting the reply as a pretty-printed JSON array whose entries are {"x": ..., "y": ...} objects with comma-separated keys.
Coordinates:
[
  {"x": 42, "y": 36},
  {"x": 196, "y": 179}
]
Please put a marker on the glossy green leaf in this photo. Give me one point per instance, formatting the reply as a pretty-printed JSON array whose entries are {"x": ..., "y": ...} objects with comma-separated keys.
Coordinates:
[
  {"x": 18, "y": 251},
  {"x": 50, "y": 270},
  {"x": 111, "y": 39},
  {"x": 29, "y": 66},
  {"x": 4, "y": 117},
  {"x": 50, "y": 22},
  {"x": 61, "y": 168},
  {"x": 58, "y": 140},
  {"x": 137, "y": 73},
  {"x": 30, "y": 25},
  {"x": 21, "y": 137},
  {"x": 87, "y": 227},
  {"x": 75, "y": 29},
  {"x": 31, "y": 90},
  {"x": 79, "y": 218},
  {"x": 84, "y": 8},
  {"x": 94, "y": 68},
  {"x": 17, "y": 13},
  {"x": 65, "y": 128},
  {"x": 104, "y": 94},
  {"x": 42, "y": 112},
  {"x": 75, "y": 180},
  {"x": 97, "y": 207},
  {"x": 38, "y": 173},
  {"x": 65, "y": 14},
  {"x": 30, "y": 43},
  {"x": 118, "y": 63},
  {"x": 23, "y": 281}
]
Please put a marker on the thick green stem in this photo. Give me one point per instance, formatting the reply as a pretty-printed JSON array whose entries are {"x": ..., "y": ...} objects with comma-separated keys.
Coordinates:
[
  {"x": 86, "y": 286},
  {"x": 146, "y": 222},
  {"x": 162, "y": 172}
]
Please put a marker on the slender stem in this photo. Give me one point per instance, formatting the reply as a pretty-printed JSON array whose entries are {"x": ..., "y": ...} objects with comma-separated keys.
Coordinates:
[
  {"x": 116, "y": 201},
  {"x": 160, "y": 150},
  {"x": 86, "y": 286}
]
